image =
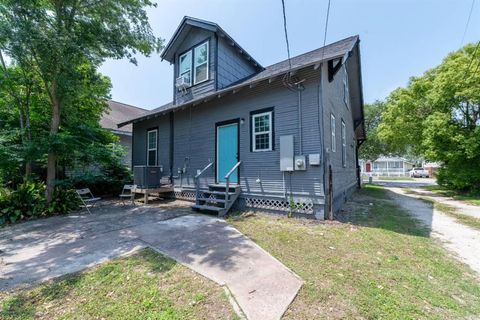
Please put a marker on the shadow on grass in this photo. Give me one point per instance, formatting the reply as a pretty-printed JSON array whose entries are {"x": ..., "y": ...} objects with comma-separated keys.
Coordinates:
[
  {"x": 26, "y": 304},
  {"x": 373, "y": 206}
]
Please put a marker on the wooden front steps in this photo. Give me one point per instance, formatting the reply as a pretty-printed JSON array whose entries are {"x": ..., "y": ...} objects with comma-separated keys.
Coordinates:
[{"x": 215, "y": 199}]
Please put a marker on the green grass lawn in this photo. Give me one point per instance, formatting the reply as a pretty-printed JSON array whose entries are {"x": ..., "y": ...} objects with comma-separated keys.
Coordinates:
[
  {"x": 469, "y": 198},
  {"x": 395, "y": 178},
  {"x": 378, "y": 264},
  {"x": 145, "y": 285}
]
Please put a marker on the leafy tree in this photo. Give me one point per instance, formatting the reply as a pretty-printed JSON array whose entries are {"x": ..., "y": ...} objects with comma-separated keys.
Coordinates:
[
  {"x": 373, "y": 147},
  {"x": 58, "y": 38},
  {"x": 438, "y": 116}
]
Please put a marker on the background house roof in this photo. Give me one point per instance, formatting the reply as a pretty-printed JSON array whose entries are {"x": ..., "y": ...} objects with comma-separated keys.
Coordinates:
[
  {"x": 334, "y": 50},
  {"x": 119, "y": 112}
]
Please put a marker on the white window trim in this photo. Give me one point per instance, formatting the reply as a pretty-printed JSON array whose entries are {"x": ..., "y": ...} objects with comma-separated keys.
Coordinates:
[
  {"x": 189, "y": 68},
  {"x": 152, "y": 149},
  {"x": 344, "y": 144},
  {"x": 333, "y": 133},
  {"x": 270, "y": 132},
  {"x": 206, "y": 62}
]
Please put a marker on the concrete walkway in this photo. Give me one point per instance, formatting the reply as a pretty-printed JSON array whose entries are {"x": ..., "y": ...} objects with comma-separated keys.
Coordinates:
[{"x": 43, "y": 249}]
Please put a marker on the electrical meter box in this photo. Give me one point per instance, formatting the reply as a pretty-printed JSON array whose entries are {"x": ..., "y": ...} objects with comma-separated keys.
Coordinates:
[
  {"x": 314, "y": 159},
  {"x": 300, "y": 163},
  {"x": 286, "y": 153}
]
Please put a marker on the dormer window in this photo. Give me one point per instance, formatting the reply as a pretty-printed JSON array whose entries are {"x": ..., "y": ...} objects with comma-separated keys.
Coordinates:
[
  {"x": 201, "y": 63},
  {"x": 185, "y": 66},
  {"x": 195, "y": 59}
]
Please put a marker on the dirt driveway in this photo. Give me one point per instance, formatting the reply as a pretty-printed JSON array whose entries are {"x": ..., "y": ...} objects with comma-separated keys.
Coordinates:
[
  {"x": 46, "y": 248},
  {"x": 462, "y": 241}
]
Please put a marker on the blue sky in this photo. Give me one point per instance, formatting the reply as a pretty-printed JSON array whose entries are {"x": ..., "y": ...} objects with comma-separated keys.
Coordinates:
[{"x": 399, "y": 38}]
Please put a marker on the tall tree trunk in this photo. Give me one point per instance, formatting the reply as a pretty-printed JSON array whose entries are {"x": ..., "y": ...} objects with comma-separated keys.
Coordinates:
[{"x": 52, "y": 155}]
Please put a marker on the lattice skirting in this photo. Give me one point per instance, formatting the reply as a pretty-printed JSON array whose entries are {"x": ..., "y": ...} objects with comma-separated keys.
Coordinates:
[
  {"x": 304, "y": 206},
  {"x": 188, "y": 195}
]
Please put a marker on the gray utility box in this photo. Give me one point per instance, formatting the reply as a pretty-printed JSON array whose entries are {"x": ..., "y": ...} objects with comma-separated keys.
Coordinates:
[
  {"x": 286, "y": 153},
  {"x": 147, "y": 176}
]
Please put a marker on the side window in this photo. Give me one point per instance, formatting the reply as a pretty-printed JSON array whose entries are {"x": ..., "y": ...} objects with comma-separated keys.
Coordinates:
[
  {"x": 201, "y": 63},
  {"x": 185, "y": 66},
  {"x": 261, "y": 130},
  {"x": 332, "y": 130},
  {"x": 152, "y": 137},
  {"x": 344, "y": 145}
]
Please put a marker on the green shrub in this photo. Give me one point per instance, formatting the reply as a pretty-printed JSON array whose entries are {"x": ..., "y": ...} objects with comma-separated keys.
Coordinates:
[
  {"x": 109, "y": 182},
  {"x": 28, "y": 202},
  {"x": 64, "y": 200}
]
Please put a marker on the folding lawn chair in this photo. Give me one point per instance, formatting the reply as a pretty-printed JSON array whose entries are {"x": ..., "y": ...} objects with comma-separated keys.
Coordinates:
[
  {"x": 87, "y": 198},
  {"x": 128, "y": 192}
]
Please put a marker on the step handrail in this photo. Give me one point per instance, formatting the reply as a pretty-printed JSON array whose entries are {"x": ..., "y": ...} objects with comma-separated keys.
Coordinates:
[
  {"x": 197, "y": 179},
  {"x": 227, "y": 178},
  {"x": 203, "y": 170}
]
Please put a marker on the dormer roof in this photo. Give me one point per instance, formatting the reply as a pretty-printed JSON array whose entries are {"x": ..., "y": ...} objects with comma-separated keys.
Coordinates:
[{"x": 183, "y": 30}]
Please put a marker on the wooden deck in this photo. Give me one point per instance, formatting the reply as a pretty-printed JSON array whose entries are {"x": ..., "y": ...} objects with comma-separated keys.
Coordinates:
[{"x": 150, "y": 191}]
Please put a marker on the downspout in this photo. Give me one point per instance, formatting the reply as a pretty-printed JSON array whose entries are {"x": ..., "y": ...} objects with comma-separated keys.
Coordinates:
[
  {"x": 171, "y": 149},
  {"x": 300, "y": 129}
]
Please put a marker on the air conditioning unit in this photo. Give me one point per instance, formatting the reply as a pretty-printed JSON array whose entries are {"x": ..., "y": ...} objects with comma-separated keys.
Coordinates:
[{"x": 182, "y": 82}]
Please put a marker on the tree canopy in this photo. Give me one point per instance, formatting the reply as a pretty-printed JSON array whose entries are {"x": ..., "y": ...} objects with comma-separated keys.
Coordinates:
[
  {"x": 438, "y": 116},
  {"x": 61, "y": 44}
]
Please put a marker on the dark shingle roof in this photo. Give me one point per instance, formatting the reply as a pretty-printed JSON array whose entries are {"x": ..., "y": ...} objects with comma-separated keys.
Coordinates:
[{"x": 333, "y": 50}]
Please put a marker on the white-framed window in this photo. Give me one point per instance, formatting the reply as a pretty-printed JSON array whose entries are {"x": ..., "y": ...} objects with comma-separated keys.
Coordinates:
[
  {"x": 262, "y": 131},
  {"x": 332, "y": 131},
  {"x": 152, "y": 137},
  {"x": 200, "y": 67},
  {"x": 185, "y": 66},
  {"x": 344, "y": 145}
]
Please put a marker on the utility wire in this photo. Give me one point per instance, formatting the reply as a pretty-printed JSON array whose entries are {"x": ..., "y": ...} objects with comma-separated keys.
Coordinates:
[
  {"x": 325, "y": 32},
  {"x": 286, "y": 33},
  {"x": 468, "y": 22},
  {"x": 467, "y": 72}
]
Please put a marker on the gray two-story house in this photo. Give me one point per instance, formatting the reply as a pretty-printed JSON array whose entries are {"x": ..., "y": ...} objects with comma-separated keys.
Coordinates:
[{"x": 282, "y": 137}]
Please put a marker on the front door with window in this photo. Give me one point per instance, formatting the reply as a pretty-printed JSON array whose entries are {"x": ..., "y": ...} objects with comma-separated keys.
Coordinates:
[{"x": 227, "y": 151}]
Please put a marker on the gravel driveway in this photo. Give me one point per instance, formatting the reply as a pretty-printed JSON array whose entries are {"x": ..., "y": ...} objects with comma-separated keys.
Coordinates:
[{"x": 462, "y": 241}]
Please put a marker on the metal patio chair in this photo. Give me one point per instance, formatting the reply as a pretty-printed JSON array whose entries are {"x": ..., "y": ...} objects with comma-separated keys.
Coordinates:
[
  {"x": 87, "y": 198},
  {"x": 128, "y": 192}
]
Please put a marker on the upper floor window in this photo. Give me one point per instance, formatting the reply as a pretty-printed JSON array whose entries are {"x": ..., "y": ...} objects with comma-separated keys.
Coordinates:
[
  {"x": 201, "y": 63},
  {"x": 332, "y": 130},
  {"x": 262, "y": 130},
  {"x": 185, "y": 66},
  {"x": 194, "y": 60},
  {"x": 152, "y": 136}
]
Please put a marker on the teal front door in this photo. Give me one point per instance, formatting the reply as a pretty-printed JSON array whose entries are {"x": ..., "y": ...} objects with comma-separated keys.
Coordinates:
[{"x": 227, "y": 151}]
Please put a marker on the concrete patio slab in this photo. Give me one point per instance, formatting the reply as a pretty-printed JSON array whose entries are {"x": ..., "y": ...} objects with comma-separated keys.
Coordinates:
[{"x": 43, "y": 249}]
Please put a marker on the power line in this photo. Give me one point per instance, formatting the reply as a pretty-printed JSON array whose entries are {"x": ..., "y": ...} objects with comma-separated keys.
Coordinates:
[
  {"x": 326, "y": 24},
  {"x": 286, "y": 33},
  {"x": 467, "y": 72},
  {"x": 326, "y": 29},
  {"x": 468, "y": 22}
]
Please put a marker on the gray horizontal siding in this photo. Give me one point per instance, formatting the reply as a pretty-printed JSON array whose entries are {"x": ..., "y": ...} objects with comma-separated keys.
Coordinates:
[
  {"x": 194, "y": 137},
  {"x": 232, "y": 65},
  {"x": 196, "y": 36}
]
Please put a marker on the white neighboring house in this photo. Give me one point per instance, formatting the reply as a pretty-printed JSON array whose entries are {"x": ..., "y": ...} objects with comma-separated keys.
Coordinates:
[
  {"x": 386, "y": 166},
  {"x": 120, "y": 112}
]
